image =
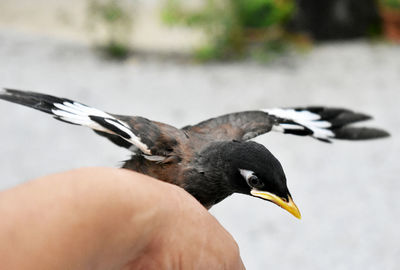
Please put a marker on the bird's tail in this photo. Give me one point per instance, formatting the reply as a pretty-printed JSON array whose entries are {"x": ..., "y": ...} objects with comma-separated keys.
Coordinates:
[{"x": 324, "y": 123}]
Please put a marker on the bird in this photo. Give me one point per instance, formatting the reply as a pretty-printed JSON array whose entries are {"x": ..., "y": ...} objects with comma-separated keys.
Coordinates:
[{"x": 212, "y": 159}]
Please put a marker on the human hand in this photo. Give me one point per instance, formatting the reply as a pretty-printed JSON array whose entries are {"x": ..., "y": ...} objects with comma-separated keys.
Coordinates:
[{"x": 102, "y": 218}]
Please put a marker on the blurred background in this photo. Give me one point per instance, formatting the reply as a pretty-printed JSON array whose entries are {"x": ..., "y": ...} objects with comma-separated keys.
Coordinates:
[{"x": 181, "y": 62}]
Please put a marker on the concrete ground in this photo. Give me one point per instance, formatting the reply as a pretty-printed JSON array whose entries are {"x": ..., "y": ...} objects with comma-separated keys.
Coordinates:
[{"x": 348, "y": 192}]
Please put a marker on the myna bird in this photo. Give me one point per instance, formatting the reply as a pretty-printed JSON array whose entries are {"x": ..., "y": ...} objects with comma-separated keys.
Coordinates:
[{"x": 214, "y": 158}]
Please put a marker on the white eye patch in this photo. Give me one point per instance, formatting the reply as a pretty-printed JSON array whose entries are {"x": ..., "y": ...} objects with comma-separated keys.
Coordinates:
[{"x": 246, "y": 174}]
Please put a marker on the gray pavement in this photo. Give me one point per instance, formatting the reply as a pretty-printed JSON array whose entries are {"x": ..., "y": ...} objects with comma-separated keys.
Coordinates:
[{"x": 348, "y": 192}]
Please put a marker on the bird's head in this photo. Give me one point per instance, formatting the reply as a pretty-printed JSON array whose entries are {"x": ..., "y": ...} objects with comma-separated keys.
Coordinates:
[{"x": 258, "y": 173}]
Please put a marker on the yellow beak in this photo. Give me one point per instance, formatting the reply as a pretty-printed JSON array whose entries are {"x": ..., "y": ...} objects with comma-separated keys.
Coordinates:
[{"x": 289, "y": 206}]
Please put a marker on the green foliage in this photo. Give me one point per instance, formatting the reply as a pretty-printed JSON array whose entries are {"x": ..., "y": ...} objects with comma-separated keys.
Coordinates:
[
  {"x": 112, "y": 20},
  {"x": 232, "y": 26},
  {"x": 116, "y": 50},
  {"x": 262, "y": 13},
  {"x": 395, "y": 4}
]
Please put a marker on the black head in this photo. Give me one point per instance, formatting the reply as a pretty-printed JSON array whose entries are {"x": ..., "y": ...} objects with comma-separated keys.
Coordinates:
[{"x": 256, "y": 172}]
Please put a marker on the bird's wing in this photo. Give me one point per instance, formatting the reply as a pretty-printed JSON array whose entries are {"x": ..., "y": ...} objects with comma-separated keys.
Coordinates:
[
  {"x": 322, "y": 123},
  {"x": 135, "y": 133}
]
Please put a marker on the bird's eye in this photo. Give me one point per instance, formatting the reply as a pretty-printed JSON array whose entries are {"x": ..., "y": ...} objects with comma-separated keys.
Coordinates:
[
  {"x": 255, "y": 182},
  {"x": 251, "y": 179}
]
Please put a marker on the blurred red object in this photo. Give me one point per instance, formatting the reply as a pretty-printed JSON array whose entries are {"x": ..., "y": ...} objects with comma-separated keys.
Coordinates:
[{"x": 391, "y": 23}]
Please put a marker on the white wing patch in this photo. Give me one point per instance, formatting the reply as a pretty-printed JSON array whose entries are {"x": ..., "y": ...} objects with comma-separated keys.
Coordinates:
[
  {"x": 78, "y": 113},
  {"x": 320, "y": 128}
]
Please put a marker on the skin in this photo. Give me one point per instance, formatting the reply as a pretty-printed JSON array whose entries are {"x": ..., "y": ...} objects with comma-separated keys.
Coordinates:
[{"x": 103, "y": 218}]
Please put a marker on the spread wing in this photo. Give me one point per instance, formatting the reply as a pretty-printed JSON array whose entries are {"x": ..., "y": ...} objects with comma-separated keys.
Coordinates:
[
  {"x": 135, "y": 133},
  {"x": 322, "y": 123},
  {"x": 234, "y": 126}
]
